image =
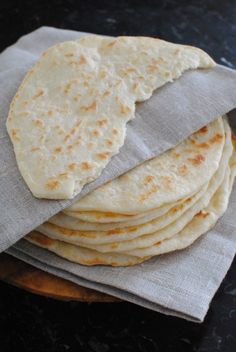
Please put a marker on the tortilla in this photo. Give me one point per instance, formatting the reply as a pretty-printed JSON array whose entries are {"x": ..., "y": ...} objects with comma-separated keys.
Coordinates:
[
  {"x": 81, "y": 255},
  {"x": 201, "y": 223},
  {"x": 164, "y": 179},
  {"x": 69, "y": 115}
]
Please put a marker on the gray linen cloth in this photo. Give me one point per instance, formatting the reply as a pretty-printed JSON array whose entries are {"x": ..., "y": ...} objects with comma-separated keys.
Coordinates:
[{"x": 182, "y": 283}]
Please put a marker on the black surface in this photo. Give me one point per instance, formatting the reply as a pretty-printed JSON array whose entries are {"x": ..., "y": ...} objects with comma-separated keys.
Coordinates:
[{"x": 32, "y": 323}]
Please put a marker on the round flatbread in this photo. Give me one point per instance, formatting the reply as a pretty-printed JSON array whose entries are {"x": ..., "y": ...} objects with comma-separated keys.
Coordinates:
[
  {"x": 69, "y": 115},
  {"x": 161, "y": 180},
  {"x": 81, "y": 255}
]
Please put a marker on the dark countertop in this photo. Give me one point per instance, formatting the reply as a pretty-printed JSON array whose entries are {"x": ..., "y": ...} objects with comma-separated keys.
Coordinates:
[{"x": 32, "y": 323}]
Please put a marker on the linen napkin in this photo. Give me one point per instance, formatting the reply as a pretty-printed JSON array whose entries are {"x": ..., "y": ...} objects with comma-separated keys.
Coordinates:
[{"x": 180, "y": 284}]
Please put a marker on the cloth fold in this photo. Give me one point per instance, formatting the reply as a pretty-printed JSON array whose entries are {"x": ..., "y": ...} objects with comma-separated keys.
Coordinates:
[{"x": 181, "y": 283}]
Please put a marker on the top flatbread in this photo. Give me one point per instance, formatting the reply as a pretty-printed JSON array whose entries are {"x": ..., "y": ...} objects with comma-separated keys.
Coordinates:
[
  {"x": 69, "y": 115},
  {"x": 173, "y": 175}
]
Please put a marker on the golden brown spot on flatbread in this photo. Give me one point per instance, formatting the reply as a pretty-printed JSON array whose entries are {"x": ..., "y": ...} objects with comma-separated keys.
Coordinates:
[
  {"x": 35, "y": 149},
  {"x": 51, "y": 185},
  {"x": 131, "y": 229},
  {"x": 69, "y": 55},
  {"x": 178, "y": 207},
  {"x": 109, "y": 142},
  {"x": 114, "y": 231},
  {"x": 114, "y": 245},
  {"x": 111, "y": 43},
  {"x": 96, "y": 133},
  {"x": 202, "y": 214},
  {"x": 167, "y": 181},
  {"x": 217, "y": 138},
  {"x": 141, "y": 78},
  {"x": 103, "y": 155},
  {"x": 24, "y": 103},
  {"x": 114, "y": 131},
  {"x": 82, "y": 60},
  {"x": 183, "y": 169},
  {"x": 70, "y": 147},
  {"x": 14, "y": 134},
  {"x": 57, "y": 149},
  {"x": 152, "y": 68},
  {"x": 38, "y": 122},
  {"x": 167, "y": 74},
  {"x": 72, "y": 131},
  {"x": 64, "y": 175},
  {"x": 106, "y": 93},
  {"x": 147, "y": 194},
  {"x": 177, "y": 51},
  {"x": 40, "y": 238},
  {"x": 177, "y": 155},
  {"x": 78, "y": 142},
  {"x": 38, "y": 94},
  {"x": 160, "y": 60},
  {"x": 124, "y": 109},
  {"x": 101, "y": 122},
  {"x": 103, "y": 74},
  {"x": 135, "y": 86},
  {"x": 77, "y": 97},
  {"x": 131, "y": 69},
  {"x": 85, "y": 83},
  {"x": 67, "y": 137},
  {"x": 148, "y": 179},
  {"x": 24, "y": 114},
  {"x": 96, "y": 261},
  {"x": 72, "y": 166},
  {"x": 92, "y": 106},
  {"x": 191, "y": 151},
  {"x": 91, "y": 144},
  {"x": 203, "y": 130},
  {"x": 85, "y": 165},
  {"x": 197, "y": 160},
  {"x": 50, "y": 112},
  {"x": 203, "y": 145}
]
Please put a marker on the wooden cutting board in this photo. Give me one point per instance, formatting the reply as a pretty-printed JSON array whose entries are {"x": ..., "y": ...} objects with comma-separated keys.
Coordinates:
[{"x": 20, "y": 274}]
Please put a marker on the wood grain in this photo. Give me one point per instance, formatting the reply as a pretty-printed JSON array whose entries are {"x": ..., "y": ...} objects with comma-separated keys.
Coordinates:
[{"x": 25, "y": 276}]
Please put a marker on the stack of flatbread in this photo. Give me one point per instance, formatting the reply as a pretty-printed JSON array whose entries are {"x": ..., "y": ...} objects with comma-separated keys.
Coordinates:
[
  {"x": 163, "y": 205},
  {"x": 69, "y": 118}
]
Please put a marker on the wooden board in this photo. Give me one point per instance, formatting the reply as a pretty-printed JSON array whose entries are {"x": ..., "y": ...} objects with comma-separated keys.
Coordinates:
[{"x": 20, "y": 274}]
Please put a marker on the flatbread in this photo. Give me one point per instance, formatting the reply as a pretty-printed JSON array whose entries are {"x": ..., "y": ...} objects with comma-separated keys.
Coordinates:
[
  {"x": 81, "y": 255},
  {"x": 69, "y": 115},
  {"x": 163, "y": 179},
  {"x": 201, "y": 223},
  {"x": 71, "y": 222},
  {"x": 94, "y": 238}
]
